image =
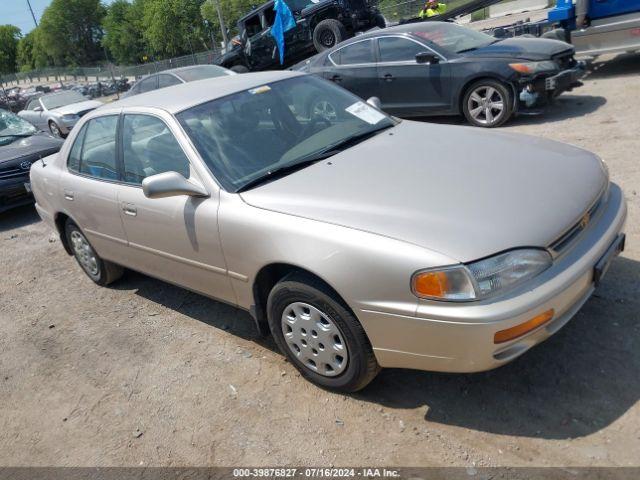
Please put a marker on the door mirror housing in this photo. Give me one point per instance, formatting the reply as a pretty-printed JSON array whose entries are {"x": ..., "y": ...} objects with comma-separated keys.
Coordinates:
[
  {"x": 427, "y": 58},
  {"x": 171, "y": 184},
  {"x": 37, "y": 109},
  {"x": 375, "y": 102}
]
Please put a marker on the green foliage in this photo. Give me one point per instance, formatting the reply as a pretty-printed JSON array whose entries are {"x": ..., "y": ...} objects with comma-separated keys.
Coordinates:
[
  {"x": 70, "y": 30},
  {"x": 173, "y": 27},
  {"x": 9, "y": 38},
  {"x": 232, "y": 10},
  {"x": 123, "y": 31}
]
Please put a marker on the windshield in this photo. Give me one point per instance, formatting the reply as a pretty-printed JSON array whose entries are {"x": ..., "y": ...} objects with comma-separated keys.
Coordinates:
[
  {"x": 61, "y": 99},
  {"x": 453, "y": 38},
  {"x": 13, "y": 125},
  {"x": 249, "y": 134},
  {"x": 201, "y": 72}
]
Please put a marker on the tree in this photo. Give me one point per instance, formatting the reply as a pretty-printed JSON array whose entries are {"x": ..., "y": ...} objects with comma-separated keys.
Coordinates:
[
  {"x": 231, "y": 10},
  {"x": 173, "y": 27},
  {"x": 123, "y": 31},
  {"x": 24, "y": 57},
  {"x": 9, "y": 38},
  {"x": 70, "y": 31}
]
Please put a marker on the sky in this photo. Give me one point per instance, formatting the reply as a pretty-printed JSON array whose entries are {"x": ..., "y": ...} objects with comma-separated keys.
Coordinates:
[{"x": 16, "y": 12}]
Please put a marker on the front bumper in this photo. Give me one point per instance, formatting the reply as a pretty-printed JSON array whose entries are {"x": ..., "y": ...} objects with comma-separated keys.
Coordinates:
[
  {"x": 13, "y": 193},
  {"x": 452, "y": 337},
  {"x": 539, "y": 90}
]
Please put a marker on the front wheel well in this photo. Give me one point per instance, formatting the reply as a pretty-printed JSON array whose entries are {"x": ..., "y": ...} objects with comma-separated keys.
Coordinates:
[
  {"x": 267, "y": 278},
  {"x": 61, "y": 221}
]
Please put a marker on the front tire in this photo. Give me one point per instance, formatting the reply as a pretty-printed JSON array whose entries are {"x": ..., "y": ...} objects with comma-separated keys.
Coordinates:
[
  {"x": 487, "y": 103},
  {"x": 100, "y": 271},
  {"x": 239, "y": 69},
  {"x": 319, "y": 335},
  {"x": 328, "y": 33},
  {"x": 55, "y": 129}
]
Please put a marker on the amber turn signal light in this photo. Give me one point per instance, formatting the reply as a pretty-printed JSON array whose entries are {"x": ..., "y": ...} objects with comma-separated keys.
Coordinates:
[
  {"x": 432, "y": 284},
  {"x": 523, "y": 328}
]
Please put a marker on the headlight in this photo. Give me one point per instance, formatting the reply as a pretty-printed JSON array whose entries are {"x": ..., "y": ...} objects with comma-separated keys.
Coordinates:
[
  {"x": 70, "y": 117},
  {"x": 534, "y": 67},
  {"x": 480, "y": 279}
]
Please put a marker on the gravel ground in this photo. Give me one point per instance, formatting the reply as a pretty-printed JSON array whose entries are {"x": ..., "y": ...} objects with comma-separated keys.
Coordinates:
[{"x": 145, "y": 373}]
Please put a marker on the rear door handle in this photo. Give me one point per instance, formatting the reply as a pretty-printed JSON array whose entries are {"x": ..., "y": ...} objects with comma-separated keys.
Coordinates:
[
  {"x": 388, "y": 77},
  {"x": 68, "y": 195},
  {"x": 129, "y": 209},
  {"x": 336, "y": 78}
]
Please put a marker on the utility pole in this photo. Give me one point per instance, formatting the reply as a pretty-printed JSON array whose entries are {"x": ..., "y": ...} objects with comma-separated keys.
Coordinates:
[
  {"x": 32, "y": 14},
  {"x": 223, "y": 28}
]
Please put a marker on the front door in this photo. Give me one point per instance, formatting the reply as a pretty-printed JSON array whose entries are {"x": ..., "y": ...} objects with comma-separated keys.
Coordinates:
[
  {"x": 89, "y": 186},
  {"x": 409, "y": 88},
  {"x": 174, "y": 238}
]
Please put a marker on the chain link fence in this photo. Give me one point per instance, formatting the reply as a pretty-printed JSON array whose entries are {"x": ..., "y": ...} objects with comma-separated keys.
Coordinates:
[{"x": 106, "y": 72}]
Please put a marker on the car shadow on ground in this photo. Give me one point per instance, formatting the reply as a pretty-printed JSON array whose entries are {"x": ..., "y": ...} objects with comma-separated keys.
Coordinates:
[
  {"x": 622, "y": 65},
  {"x": 18, "y": 217},
  {"x": 217, "y": 314},
  {"x": 577, "y": 382}
]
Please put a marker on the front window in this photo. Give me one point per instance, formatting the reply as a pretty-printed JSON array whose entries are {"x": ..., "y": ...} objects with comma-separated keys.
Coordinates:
[
  {"x": 61, "y": 99},
  {"x": 453, "y": 38},
  {"x": 396, "y": 49},
  {"x": 249, "y": 135},
  {"x": 13, "y": 126}
]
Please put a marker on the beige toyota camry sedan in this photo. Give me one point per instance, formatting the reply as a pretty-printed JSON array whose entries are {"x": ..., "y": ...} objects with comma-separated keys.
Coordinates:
[{"x": 355, "y": 242}]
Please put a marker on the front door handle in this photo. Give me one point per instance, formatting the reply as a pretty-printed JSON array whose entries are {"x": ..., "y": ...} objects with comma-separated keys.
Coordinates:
[
  {"x": 336, "y": 78},
  {"x": 388, "y": 77},
  {"x": 129, "y": 209},
  {"x": 68, "y": 195}
]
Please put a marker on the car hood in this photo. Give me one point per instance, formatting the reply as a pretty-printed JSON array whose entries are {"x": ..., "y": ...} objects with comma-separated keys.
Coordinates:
[
  {"x": 533, "y": 49},
  {"x": 23, "y": 147},
  {"x": 460, "y": 191},
  {"x": 77, "y": 107}
]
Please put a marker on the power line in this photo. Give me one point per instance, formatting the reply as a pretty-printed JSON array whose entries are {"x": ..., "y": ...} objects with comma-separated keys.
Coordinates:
[{"x": 32, "y": 14}]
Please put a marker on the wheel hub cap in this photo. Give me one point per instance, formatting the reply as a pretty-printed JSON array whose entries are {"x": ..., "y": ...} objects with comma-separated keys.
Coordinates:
[
  {"x": 486, "y": 105},
  {"x": 84, "y": 253},
  {"x": 314, "y": 339}
]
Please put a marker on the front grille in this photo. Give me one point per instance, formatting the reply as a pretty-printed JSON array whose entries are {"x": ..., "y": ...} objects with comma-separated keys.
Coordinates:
[
  {"x": 14, "y": 169},
  {"x": 12, "y": 172},
  {"x": 580, "y": 226}
]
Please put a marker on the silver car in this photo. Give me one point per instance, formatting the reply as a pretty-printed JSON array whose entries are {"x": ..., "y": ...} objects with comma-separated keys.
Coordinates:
[
  {"x": 58, "y": 112},
  {"x": 176, "y": 76},
  {"x": 353, "y": 242}
]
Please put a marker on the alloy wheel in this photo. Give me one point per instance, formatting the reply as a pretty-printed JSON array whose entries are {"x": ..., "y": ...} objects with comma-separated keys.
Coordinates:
[
  {"x": 55, "y": 130},
  {"x": 486, "y": 105},
  {"x": 314, "y": 339}
]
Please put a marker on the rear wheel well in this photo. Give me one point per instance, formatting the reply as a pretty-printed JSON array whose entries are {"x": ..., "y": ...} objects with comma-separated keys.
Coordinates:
[
  {"x": 463, "y": 90},
  {"x": 61, "y": 222},
  {"x": 267, "y": 278}
]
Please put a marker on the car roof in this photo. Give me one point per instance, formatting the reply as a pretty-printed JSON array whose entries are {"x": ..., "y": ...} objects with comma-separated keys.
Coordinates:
[
  {"x": 405, "y": 28},
  {"x": 180, "y": 97}
]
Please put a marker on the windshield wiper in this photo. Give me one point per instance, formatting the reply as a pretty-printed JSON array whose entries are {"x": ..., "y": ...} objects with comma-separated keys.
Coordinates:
[{"x": 277, "y": 173}]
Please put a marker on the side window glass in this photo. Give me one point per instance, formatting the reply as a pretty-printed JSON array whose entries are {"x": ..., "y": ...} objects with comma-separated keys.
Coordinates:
[
  {"x": 394, "y": 49},
  {"x": 147, "y": 84},
  {"x": 359, "y": 52},
  {"x": 167, "y": 81},
  {"x": 150, "y": 148},
  {"x": 98, "y": 157},
  {"x": 33, "y": 104},
  {"x": 253, "y": 26},
  {"x": 73, "y": 162}
]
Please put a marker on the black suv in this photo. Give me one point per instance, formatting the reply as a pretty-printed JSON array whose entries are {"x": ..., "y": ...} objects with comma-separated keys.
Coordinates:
[{"x": 319, "y": 25}]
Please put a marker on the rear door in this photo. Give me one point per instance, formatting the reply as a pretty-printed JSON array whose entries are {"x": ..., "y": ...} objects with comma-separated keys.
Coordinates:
[
  {"x": 89, "y": 187},
  {"x": 407, "y": 87},
  {"x": 353, "y": 67}
]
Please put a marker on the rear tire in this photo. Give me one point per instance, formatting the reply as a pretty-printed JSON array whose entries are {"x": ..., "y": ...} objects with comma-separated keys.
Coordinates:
[
  {"x": 487, "y": 103},
  {"x": 100, "y": 271},
  {"x": 328, "y": 33},
  {"x": 379, "y": 21},
  {"x": 324, "y": 340},
  {"x": 239, "y": 69}
]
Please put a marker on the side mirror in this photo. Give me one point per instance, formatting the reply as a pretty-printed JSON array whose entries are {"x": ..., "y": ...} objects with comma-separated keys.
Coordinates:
[
  {"x": 427, "y": 58},
  {"x": 171, "y": 184},
  {"x": 375, "y": 102},
  {"x": 37, "y": 109}
]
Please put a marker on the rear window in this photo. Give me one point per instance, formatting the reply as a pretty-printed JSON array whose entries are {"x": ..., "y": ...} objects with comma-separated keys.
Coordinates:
[{"x": 359, "y": 52}]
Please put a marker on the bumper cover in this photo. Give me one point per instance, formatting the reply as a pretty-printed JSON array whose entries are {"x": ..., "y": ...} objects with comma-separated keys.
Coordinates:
[
  {"x": 14, "y": 194},
  {"x": 459, "y": 337}
]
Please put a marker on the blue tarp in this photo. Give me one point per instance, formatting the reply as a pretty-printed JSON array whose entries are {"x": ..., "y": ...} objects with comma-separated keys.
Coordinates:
[{"x": 284, "y": 21}]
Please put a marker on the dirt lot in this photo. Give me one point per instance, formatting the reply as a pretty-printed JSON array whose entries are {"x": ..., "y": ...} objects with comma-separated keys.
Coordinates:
[{"x": 144, "y": 373}]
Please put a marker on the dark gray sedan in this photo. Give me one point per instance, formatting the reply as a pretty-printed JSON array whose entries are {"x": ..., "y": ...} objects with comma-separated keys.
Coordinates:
[{"x": 439, "y": 68}]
